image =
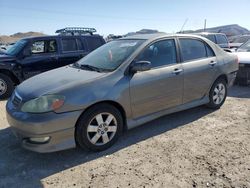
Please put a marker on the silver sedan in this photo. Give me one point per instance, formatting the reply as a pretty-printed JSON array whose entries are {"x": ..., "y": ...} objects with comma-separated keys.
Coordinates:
[{"x": 121, "y": 85}]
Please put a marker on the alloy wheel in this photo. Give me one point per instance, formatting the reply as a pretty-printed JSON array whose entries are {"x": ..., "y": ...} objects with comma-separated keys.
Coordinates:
[
  {"x": 3, "y": 87},
  {"x": 219, "y": 93},
  {"x": 101, "y": 129}
]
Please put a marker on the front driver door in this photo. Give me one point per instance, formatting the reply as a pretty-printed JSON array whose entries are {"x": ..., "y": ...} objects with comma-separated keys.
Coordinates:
[
  {"x": 160, "y": 87},
  {"x": 43, "y": 57}
]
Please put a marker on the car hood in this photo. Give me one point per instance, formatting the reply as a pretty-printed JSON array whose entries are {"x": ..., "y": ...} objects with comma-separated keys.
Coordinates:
[
  {"x": 5, "y": 57},
  {"x": 244, "y": 57},
  {"x": 55, "y": 81}
]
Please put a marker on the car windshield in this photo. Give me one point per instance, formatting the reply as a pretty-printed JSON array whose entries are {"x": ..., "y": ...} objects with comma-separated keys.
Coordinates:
[
  {"x": 110, "y": 56},
  {"x": 15, "y": 49},
  {"x": 244, "y": 47}
]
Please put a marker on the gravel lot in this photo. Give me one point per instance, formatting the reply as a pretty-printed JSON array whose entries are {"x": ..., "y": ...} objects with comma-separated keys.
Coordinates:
[{"x": 195, "y": 148}]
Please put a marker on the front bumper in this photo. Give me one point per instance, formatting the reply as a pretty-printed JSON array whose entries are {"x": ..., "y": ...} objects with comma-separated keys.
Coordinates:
[{"x": 59, "y": 127}]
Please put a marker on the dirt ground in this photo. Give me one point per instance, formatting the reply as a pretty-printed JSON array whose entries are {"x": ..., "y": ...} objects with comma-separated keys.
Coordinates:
[{"x": 195, "y": 148}]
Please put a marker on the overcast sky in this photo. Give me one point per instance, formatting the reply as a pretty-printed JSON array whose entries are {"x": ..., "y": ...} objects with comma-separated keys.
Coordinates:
[{"x": 120, "y": 16}]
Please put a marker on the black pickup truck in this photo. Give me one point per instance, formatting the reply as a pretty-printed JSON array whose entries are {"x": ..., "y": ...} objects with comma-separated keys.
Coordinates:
[{"x": 34, "y": 55}]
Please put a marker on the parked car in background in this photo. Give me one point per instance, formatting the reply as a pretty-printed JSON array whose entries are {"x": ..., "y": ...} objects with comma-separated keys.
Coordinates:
[
  {"x": 120, "y": 85},
  {"x": 111, "y": 37},
  {"x": 34, "y": 55},
  {"x": 240, "y": 39},
  {"x": 243, "y": 75},
  {"x": 237, "y": 41},
  {"x": 217, "y": 38}
]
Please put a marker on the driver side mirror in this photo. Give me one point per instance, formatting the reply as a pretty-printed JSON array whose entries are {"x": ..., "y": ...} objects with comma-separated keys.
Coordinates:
[
  {"x": 140, "y": 66},
  {"x": 26, "y": 52}
]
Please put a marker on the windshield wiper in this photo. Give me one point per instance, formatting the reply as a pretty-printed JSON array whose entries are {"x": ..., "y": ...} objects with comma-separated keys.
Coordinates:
[{"x": 90, "y": 67}]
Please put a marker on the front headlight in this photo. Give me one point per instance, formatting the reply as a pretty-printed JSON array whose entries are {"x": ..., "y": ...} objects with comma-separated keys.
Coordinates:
[{"x": 43, "y": 104}]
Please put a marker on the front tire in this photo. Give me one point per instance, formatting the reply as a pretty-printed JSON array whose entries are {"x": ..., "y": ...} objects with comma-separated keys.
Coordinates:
[
  {"x": 99, "y": 127},
  {"x": 6, "y": 86},
  {"x": 217, "y": 94}
]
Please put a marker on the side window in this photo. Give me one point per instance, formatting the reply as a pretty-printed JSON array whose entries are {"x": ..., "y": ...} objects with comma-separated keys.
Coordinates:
[
  {"x": 160, "y": 53},
  {"x": 79, "y": 44},
  {"x": 38, "y": 47},
  {"x": 93, "y": 42},
  {"x": 44, "y": 46},
  {"x": 52, "y": 46},
  {"x": 192, "y": 49},
  {"x": 221, "y": 39},
  {"x": 210, "y": 52},
  {"x": 69, "y": 45}
]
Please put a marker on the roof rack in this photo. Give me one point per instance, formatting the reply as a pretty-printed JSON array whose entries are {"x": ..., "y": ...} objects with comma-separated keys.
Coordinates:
[{"x": 76, "y": 31}]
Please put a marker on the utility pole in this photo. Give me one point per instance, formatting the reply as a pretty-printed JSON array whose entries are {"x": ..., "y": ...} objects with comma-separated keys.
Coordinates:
[{"x": 205, "y": 25}]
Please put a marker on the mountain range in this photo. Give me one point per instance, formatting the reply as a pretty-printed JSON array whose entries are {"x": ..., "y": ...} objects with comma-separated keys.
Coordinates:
[
  {"x": 5, "y": 39},
  {"x": 229, "y": 30}
]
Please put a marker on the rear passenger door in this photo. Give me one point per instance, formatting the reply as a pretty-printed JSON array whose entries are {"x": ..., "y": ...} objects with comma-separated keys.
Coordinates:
[
  {"x": 199, "y": 64},
  {"x": 72, "y": 49}
]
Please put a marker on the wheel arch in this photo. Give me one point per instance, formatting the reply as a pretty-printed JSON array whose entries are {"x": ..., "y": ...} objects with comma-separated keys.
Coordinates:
[
  {"x": 222, "y": 76},
  {"x": 11, "y": 75},
  {"x": 117, "y": 105}
]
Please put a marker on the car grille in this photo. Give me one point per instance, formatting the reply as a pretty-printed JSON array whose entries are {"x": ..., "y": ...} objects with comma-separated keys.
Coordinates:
[{"x": 16, "y": 100}]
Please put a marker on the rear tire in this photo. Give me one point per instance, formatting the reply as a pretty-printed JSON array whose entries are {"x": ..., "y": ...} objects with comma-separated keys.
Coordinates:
[
  {"x": 217, "y": 94},
  {"x": 99, "y": 127},
  {"x": 6, "y": 86}
]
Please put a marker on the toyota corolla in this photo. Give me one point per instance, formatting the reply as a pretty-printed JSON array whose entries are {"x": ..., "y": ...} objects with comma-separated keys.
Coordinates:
[{"x": 120, "y": 85}]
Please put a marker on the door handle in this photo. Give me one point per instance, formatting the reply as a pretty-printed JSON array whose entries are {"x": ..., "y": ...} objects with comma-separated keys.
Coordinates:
[
  {"x": 177, "y": 71},
  {"x": 212, "y": 63}
]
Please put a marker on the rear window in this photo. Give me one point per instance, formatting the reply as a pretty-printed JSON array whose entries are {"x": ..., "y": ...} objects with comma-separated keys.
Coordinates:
[
  {"x": 94, "y": 42},
  {"x": 69, "y": 45},
  {"x": 221, "y": 39}
]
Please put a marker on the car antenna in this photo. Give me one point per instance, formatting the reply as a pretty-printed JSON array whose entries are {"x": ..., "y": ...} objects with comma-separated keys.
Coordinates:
[{"x": 183, "y": 25}]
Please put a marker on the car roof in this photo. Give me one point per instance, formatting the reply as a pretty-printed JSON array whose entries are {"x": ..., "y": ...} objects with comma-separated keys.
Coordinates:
[
  {"x": 207, "y": 33},
  {"x": 157, "y": 36},
  {"x": 59, "y": 36}
]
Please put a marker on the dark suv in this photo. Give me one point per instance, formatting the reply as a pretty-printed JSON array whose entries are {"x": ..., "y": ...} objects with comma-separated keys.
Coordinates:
[{"x": 34, "y": 55}]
